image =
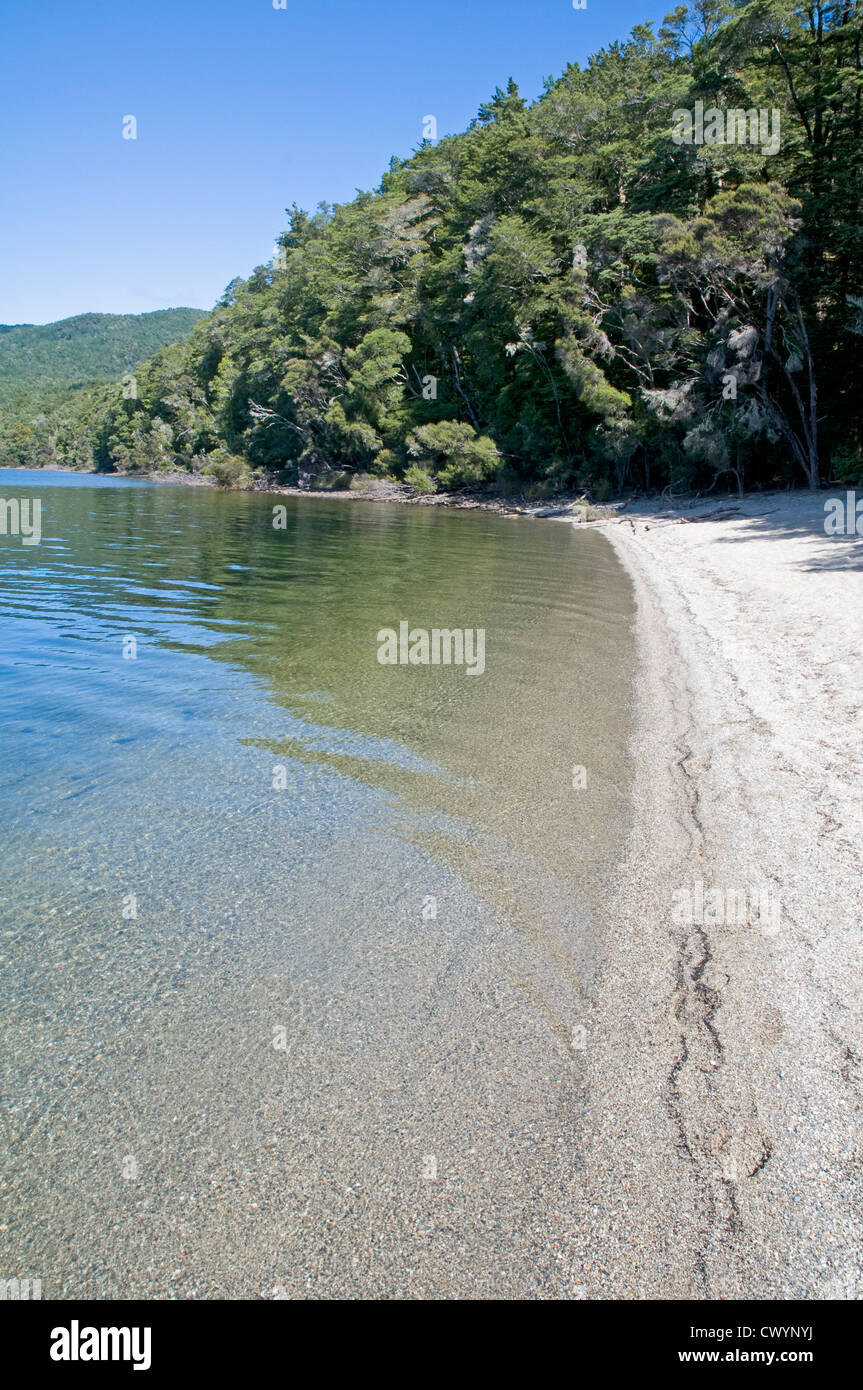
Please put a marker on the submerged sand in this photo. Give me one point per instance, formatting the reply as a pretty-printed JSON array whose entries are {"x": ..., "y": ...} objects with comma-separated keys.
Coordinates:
[{"x": 726, "y": 1157}]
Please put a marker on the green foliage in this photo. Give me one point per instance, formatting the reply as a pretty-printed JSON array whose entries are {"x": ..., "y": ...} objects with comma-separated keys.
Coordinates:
[
  {"x": 848, "y": 467},
  {"x": 454, "y": 452},
  {"x": 560, "y": 295},
  {"x": 419, "y": 479},
  {"x": 228, "y": 470},
  {"x": 35, "y": 359}
]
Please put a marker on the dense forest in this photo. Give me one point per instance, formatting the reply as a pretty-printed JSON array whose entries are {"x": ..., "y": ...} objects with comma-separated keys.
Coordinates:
[
  {"x": 651, "y": 276},
  {"x": 41, "y": 360}
]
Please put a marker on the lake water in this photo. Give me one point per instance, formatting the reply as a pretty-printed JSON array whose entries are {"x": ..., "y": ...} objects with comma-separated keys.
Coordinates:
[{"x": 296, "y": 947}]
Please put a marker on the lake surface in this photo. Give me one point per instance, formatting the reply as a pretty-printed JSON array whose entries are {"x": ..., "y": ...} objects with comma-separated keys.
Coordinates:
[{"x": 296, "y": 947}]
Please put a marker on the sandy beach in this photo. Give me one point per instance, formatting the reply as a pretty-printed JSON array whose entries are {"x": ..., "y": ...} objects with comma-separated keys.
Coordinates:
[{"x": 727, "y": 1043}]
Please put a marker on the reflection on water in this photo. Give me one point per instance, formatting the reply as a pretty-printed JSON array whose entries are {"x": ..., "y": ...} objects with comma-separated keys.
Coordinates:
[{"x": 237, "y": 831}]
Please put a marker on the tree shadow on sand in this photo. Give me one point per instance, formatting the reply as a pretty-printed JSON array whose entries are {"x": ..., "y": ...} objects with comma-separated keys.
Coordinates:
[{"x": 777, "y": 515}]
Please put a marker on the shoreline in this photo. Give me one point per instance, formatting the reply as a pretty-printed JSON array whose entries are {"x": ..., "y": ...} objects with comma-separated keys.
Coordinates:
[
  {"x": 727, "y": 1065},
  {"x": 564, "y": 506},
  {"x": 718, "y": 1144},
  {"x": 570, "y": 505}
]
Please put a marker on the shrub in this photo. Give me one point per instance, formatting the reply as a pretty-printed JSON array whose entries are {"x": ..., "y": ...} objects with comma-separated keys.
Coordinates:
[
  {"x": 332, "y": 481},
  {"x": 509, "y": 481},
  {"x": 228, "y": 470},
  {"x": 848, "y": 466},
  {"x": 385, "y": 465},
  {"x": 419, "y": 479},
  {"x": 539, "y": 491},
  {"x": 454, "y": 451}
]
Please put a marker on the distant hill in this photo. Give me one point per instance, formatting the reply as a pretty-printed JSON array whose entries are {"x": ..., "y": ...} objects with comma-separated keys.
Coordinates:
[{"x": 36, "y": 360}]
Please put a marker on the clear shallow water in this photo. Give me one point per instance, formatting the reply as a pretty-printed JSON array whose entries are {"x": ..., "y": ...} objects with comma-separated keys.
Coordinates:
[{"x": 295, "y": 908}]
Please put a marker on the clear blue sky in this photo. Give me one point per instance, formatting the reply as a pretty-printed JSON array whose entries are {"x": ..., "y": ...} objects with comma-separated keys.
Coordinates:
[{"x": 241, "y": 110}]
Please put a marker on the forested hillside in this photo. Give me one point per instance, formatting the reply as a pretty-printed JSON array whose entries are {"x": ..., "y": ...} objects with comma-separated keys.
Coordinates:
[
  {"x": 652, "y": 275},
  {"x": 39, "y": 358}
]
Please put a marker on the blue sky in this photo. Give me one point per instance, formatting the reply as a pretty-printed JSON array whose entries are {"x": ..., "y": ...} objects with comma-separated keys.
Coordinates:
[{"x": 241, "y": 110}]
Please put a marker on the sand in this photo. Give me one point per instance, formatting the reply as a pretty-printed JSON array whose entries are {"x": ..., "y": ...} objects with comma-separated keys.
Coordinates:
[{"x": 725, "y": 1157}]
